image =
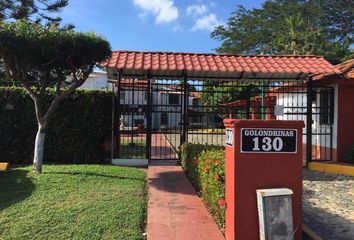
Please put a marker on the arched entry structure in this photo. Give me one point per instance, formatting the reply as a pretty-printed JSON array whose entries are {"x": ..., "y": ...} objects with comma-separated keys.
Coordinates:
[{"x": 165, "y": 99}]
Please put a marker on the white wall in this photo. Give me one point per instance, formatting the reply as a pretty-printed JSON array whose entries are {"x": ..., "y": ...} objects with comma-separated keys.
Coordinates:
[
  {"x": 138, "y": 98},
  {"x": 299, "y": 102},
  {"x": 173, "y": 111},
  {"x": 97, "y": 81}
]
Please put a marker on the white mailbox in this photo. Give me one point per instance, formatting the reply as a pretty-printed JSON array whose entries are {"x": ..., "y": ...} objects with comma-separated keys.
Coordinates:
[{"x": 275, "y": 214}]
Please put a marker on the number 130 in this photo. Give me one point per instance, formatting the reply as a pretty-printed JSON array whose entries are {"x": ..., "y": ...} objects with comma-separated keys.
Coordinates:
[{"x": 268, "y": 144}]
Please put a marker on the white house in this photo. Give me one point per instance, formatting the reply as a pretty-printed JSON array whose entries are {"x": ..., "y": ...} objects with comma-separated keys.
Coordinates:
[
  {"x": 167, "y": 102},
  {"x": 97, "y": 80}
]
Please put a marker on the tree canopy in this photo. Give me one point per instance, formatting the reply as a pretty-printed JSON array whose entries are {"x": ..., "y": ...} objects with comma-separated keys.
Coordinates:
[
  {"x": 36, "y": 10},
  {"x": 41, "y": 57},
  {"x": 321, "y": 27}
]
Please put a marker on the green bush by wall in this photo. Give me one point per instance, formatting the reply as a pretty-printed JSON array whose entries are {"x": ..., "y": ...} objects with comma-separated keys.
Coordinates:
[
  {"x": 205, "y": 168},
  {"x": 75, "y": 134}
]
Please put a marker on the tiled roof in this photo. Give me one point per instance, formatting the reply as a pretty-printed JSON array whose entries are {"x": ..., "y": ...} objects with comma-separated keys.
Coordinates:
[
  {"x": 253, "y": 102},
  {"x": 171, "y": 64},
  {"x": 130, "y": 83},
  {"x": 346, "y": 69},
  {"x": 346, "y": 66}
]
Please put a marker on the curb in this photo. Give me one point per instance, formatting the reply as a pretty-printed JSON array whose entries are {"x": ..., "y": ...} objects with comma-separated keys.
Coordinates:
[
  {"x": 4, "y": 166},
  {"x": 332, "y": 168}
]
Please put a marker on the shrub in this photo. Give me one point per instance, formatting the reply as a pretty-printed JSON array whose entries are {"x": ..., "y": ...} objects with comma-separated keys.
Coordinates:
[
  {"x": 205, "y": 168},
  {"x": 75, "y": 134},
  {"x": 349, "y": 155}
]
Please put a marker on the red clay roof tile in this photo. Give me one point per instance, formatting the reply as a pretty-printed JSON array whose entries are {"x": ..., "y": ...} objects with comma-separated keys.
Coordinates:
[
  {"x": 345, "y": 71},
  {"x": 191, "y": 62}
]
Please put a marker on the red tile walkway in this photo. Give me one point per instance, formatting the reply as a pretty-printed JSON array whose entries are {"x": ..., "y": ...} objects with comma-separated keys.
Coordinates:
[
  {"x": 161, "y": 148},
  {"x": 175, "y": 212}
]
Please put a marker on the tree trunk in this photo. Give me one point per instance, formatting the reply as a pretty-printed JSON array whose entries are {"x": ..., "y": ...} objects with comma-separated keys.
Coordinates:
[{"x": 38, "y": 150}]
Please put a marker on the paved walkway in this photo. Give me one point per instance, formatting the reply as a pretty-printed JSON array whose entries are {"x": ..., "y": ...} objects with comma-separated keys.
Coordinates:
[
  {"x": 328, "y": 204},
  {"x": 175, "y": 212},
  {"x": 161, "y": 148}
]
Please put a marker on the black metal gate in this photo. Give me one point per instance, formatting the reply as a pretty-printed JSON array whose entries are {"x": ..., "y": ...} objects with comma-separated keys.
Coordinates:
[
  {"x": 131, "y": 115},
  {"x": 155, "y": 117},
  {"x": 148, "y": 119},
  {"x": 282, "y": 99},
  {"x": 167, "y": 105}
]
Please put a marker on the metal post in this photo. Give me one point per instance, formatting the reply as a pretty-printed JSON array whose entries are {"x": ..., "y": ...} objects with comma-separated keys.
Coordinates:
[
  {"x": 117, "y": 126},
  {"x": 181, "y": 124},
  {"x": 264, "y": 106},
  {"x": 185, "y": 109},
  {"x": 113, "y": 123},
  {"x": 331, "y": 122},
  {"x": 132, "y": 112},
  {"x": 149, "y": 116},
  {"x": 309, "y": 122},
  {"x": 263, "y": 102},
  {"x": 248, "y": 102}
]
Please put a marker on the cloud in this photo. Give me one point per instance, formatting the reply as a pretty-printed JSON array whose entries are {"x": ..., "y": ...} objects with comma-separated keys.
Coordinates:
[
  {"x": 177, "y": 28},
  {"x": 206, "y": 23},
  {"x": 197, "y": 9},
  {"x": 164, "y": 10}
]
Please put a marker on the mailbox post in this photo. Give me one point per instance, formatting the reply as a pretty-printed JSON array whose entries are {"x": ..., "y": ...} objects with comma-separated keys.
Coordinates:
[{"x": 261, "y": 154}]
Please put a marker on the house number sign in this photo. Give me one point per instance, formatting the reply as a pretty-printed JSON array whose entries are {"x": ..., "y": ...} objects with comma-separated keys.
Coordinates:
[
  {"x": 229, "y": 137},
  {"x": 268, "y": 140}
]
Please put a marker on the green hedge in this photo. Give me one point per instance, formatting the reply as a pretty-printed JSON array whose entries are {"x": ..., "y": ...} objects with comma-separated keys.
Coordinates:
[
  {"x": 75, "y": 133},
  {"x": 205, "y": 168}
]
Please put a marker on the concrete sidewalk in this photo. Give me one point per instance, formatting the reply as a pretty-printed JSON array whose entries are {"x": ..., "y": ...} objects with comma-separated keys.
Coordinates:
[{"x": 175, "y": 212}]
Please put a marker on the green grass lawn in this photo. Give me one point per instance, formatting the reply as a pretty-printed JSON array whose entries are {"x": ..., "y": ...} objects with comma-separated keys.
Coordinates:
[
  {"x": 135, "y": 150},
  {"x": 73, "y": 202}
]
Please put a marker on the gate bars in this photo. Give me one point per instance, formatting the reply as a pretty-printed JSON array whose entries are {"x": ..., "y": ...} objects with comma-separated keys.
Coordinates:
[{"x": 156, "y": 116}]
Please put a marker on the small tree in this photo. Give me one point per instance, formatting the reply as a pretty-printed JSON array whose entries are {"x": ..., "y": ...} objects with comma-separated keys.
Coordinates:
[{"x": 40, "y": 58}]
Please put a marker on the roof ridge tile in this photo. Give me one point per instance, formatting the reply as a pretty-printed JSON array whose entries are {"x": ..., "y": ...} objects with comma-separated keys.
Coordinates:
[
  {"x": 221, "y": 54},
  {"x": 217, "y": 64}
]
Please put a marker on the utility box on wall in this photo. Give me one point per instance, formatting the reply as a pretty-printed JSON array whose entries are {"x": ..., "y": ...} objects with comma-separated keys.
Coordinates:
[
  {"x": 263, "y": 155},
  {"x": 275, "y": 214}
]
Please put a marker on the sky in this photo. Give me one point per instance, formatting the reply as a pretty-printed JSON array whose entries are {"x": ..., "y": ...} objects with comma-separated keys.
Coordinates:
[{"x": 154, "y": 25}]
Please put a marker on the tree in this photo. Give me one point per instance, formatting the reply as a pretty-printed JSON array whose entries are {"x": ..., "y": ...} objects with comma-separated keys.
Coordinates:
[
  {"x": 321, "y": 27},
  {"x": 298, "y": 39},
  {"x": 32, "y": 10},
  {"x": 215, "y": 94},
  {"x": 37, "y": 10},
  {"x": 40, "y": 58}
]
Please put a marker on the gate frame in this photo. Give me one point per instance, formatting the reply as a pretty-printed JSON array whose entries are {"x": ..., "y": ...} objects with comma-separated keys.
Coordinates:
[
  {"x": 121, "y": 69},
  {"x": 116, "y": 112}
]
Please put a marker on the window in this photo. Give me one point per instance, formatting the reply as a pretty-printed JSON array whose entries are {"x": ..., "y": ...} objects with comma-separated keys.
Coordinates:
[
  {"x": 138, "y": 121},
  {"x": 314, "y": 95},
  {"x": 122, "y": 95},
  {"x": 173, "y": 99},
  {"x": 326, "y": 107},
  {"x": 164, "y": 119}
]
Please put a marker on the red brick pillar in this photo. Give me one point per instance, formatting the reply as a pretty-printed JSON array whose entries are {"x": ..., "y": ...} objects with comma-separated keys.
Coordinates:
[{"x": 249, "y": 167}]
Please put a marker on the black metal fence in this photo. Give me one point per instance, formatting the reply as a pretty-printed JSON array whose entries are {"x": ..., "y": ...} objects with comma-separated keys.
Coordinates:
[{"x": 154, "y": 117}]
